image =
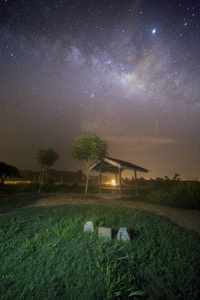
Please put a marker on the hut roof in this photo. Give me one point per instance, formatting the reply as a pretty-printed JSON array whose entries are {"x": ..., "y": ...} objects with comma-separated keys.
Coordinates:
[{"x": 110, "y": 165}]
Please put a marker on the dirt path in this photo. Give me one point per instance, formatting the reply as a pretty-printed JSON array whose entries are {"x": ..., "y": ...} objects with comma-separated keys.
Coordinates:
[{"x": 187, "y": 218}]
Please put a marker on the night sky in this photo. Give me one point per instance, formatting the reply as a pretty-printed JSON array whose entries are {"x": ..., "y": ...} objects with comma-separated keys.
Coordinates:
[{"x": 128, "y": 71}]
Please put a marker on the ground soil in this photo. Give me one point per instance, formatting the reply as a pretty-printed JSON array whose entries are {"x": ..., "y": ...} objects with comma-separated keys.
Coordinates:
[{"x": 187, "y": 218}]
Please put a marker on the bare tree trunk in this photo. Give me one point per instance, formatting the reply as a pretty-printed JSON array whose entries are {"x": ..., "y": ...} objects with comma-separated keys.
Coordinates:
[
  {"x": 41, "y": 181},
  {"x": 3, "y": 177},
  {"x": 86, "y": 186}
]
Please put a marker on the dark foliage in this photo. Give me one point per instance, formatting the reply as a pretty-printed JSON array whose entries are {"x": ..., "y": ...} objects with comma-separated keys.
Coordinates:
[{"x": 8, "y": 171}]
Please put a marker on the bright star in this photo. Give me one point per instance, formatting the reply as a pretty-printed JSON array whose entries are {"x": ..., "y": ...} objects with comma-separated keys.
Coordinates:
[{"x": 154, "y": 31}]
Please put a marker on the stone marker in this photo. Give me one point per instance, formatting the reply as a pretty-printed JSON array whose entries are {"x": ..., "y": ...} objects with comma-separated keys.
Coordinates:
[
  {"x": 89, "y": 226},
  {"x": 123, "y": 235},
  {"x": 105, "y": 233}
]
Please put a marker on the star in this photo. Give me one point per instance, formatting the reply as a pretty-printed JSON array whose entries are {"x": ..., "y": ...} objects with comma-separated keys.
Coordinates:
[{"x": 154, "y": 31}]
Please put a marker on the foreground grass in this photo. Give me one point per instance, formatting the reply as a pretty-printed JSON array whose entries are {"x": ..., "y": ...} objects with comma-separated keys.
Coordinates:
[
  {"x": 12, "y": 203},
  {"x": 46, "y": 255}
]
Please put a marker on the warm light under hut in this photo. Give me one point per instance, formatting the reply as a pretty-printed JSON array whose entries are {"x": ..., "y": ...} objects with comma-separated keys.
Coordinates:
[
  {"x": 113, "y": 182},
  {"x": 115, "y": 166}
]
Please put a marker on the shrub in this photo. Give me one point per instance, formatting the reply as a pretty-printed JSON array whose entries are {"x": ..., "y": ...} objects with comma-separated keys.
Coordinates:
[
  {"x": 19, "y": 188},
  {"x": 184, "y": 194},
  {"x": 49, "y": 180},
  {"x": 62, "y": 188}
]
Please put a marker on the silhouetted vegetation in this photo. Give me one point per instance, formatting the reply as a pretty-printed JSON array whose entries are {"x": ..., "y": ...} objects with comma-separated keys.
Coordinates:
[
  {"x": 8, "y": 171},
  {"x": 183, "y": 194},
  {"x": 57, "y": 175},
  {"x": 165, "y": 191}
]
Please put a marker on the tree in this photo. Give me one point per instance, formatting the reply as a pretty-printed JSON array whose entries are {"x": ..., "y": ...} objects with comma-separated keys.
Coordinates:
[
  {"x": 8, "y": 171},
  {"x": 176, "y": 177},
  {"x": 89, "y": 149},
  {"x": 47, "y": 159}
]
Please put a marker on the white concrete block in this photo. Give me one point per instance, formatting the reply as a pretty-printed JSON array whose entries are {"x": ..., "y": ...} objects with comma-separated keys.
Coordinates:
[
  {"x": 123, "y": 235},
  {"x": 89, "y": 226},
  {"x": 105, "y": 233}
]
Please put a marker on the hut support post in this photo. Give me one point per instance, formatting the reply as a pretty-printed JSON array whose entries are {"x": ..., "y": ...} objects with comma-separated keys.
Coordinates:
[
  {"x": 136, "y": 183},
  {"x": 100, "y": 180},
  {"x": 120, "y": 185},
  {"x": 116, "y": 181}
]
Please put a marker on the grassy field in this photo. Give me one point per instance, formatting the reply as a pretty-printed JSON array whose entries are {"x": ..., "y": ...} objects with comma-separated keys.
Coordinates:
[{"x": 46, "y": 255}]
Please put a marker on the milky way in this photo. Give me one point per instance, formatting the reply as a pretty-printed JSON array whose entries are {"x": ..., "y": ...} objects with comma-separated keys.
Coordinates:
[{"x": 128, "y": 71}]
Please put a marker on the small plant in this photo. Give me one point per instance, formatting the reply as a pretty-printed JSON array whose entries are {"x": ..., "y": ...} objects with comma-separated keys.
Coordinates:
[{"x": 84, "y": 196}]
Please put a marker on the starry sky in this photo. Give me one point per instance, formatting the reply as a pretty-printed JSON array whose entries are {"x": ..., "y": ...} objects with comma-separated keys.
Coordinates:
[{"x": 128, "y": 71}]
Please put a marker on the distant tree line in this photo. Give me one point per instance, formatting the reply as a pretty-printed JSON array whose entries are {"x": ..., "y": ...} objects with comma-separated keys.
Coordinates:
[
  {"x": 55, "y": 175},
  {"x": 158, "y": 182}
]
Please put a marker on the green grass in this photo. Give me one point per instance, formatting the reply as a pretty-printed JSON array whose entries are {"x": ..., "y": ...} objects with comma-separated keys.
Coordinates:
[
  {"x": 46, "y": 255},
  {"x": 16, "y": 201}
]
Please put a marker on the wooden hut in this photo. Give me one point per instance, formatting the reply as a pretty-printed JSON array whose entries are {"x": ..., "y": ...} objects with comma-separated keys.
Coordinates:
[{"x": 115, "y": 166}]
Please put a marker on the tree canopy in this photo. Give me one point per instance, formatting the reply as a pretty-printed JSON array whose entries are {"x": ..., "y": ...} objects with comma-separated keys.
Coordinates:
[
  {"x": 46, "y": 159},
  {"x": 8, "y": 171},
  {"x": 89, "y": 149}
]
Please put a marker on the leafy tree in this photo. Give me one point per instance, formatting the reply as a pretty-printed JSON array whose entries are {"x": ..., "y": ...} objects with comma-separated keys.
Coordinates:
[
  {"x": 8, "y": 171},
  {"x": 89, "y": 149},
  {"x": 47, "y": 159},
  {"x": 176, "y": 177}
]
